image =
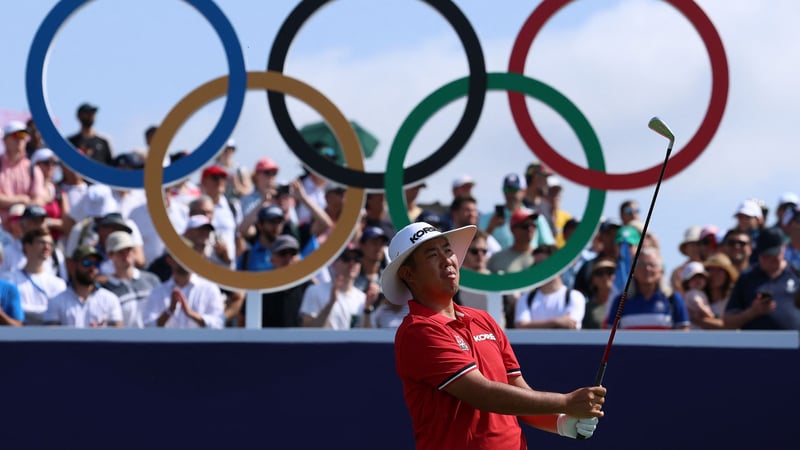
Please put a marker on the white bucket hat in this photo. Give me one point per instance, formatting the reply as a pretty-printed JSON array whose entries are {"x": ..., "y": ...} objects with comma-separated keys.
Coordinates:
[{"x": 406, "y": 241}]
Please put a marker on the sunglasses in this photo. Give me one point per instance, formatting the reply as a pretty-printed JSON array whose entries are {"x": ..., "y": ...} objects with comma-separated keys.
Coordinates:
[
  {"x": 603, "y": 273},
  {"x": 49, "y": 162},
  {"x": 19, "y": 134},
  {"x": 630, "y": 210},
  {"x": 89, "y": 262},
  {"x": 269, "y": 173},
  {"x": 477, "y": 251},
  {"x": 350, "y": 259},
  {"x": 736, "y": 243},
  {"x": 510, "y": 190}
]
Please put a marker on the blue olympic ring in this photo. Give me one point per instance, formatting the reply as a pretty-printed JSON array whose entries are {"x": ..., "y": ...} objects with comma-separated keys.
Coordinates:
[{"x": 131, "y": 179}]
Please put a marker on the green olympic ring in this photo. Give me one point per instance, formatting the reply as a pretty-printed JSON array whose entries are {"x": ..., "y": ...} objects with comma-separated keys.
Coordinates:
[{"x": 549, "y": 268}]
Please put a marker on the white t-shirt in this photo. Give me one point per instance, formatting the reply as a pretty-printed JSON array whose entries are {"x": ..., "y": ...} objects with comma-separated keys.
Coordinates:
[
  {"x": 178, "y": 214},
  {"x": 346, "y": 312},
  {"x": 35, "y": 292},
  {"x": 203, "y": 297},
  {"x": 551, "y": 306},
  {"x": 99, "y": 309}
]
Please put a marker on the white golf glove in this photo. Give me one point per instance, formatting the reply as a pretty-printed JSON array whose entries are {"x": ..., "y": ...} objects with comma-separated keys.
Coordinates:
[{"x": 570, "y": 426}]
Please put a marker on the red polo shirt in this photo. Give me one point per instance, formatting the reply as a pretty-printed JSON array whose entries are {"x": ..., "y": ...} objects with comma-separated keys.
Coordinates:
[{"x": 432, "y": 351}]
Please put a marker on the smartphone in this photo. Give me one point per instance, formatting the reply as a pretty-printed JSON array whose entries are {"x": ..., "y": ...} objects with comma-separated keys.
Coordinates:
[
  {"x": 500, "y": 211},
  {"x": 765, "y": 295},
  {"x": 283, "y": 189}
]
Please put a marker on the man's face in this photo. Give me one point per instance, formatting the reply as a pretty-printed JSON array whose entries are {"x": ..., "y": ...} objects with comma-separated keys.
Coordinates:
[
  {"x": 374, "y": 248},
  {"x": 214, "y": 184},
  {"x": 86, "y": 270},
  {"x": 771, "y": 263},
  {"x": 738, "y": 247},
  {"x": 524, "y": 231},
  {"x": 477, "y": 254},
  {"x": 467, "y": 214},
  {"x": 122, "y": 258},
  {"x": 271, "y": 228},
  {"x": 15, "y": 142},
  {"x": 630, "y": 212},
  {"x": 41, "y": 249},
  {"x": 745, "y": 222},
  {"x": 648, "y": 270},
  {"x": 86, "y": 118},
  {"x": 348, "y": 265},
  {"x": 284, "y": 257},
  {"x": 435, "y": 270}
]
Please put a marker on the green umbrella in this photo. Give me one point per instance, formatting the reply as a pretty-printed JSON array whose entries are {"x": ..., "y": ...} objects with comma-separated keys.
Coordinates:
[{"x": 319, "y": 132}]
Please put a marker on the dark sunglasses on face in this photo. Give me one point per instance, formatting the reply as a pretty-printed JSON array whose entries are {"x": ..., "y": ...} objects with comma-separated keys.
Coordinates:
[
  {"x": 603, "y": 273},
  {"x": 477, "y": 251},
  {"x": 736, "y": 243},
  {"x": 510, "y": 190},
  {"x": 350, "y": 258},
  {"x": 526, "y": 225},
  {"x": 630, "y": 210},
  {"x": 269, "y": 173},
  {"x": 89, "y": 262}
]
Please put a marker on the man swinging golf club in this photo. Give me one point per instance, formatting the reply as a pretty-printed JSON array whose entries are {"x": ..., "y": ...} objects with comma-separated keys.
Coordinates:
[{"x": 461, "y": 380}]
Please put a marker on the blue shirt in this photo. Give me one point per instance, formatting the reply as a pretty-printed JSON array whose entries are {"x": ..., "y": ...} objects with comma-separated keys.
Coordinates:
[
  {"x": 784, "y": 289},
  {"x": 258, "y": 256},
  {"x": 10, "y": 301},
  {"x": 658, "y": 312}
]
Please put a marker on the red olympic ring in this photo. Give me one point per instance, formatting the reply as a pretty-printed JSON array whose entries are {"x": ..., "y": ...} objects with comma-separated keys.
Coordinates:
[{"x": 632, "y": 180}]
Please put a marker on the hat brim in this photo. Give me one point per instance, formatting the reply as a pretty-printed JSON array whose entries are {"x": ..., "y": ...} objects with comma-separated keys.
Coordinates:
[{"x": 395, "y": 290}]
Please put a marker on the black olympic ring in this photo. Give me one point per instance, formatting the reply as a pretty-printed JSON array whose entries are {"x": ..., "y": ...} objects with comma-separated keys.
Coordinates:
[{"x": 374, "y": 181}]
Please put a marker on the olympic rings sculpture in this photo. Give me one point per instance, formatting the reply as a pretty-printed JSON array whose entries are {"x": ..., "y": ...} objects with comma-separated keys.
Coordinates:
[{"x": 234, "y": 85}]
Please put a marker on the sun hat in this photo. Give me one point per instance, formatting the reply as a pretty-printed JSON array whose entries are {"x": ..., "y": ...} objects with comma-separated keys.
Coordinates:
[
  {"x": 406, "y": 241},
  {"x": 723, "y": 262},
  {"x": 692, "y": 234}
]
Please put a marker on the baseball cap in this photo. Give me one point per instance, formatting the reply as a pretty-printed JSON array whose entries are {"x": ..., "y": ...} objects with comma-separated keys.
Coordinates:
[
  {"x": 198, "y": 221},
  {"x": 265, "y": 164},
  {"x": 628, "y": 234},
  {"x": 430, "y": 217},
  {"x": 537, "y": 168},
  {"x": 119, "y": 240},
  {"x": 83, "y": 251},
  {"x": 270, "y": 212},
  {"x": 230, "y": 143},
  {"x": 603, "y": 263},
  {"x": 609, "y": 225},
  {"x": 788, "y": 198},
  {"x": 33, "y": 212},
  {"x": 692, "y": 269},
  {"x": 13, "y": 127},
  {"x": 43, "y": 154},
  {"x": 87, "y": 107},
  {"x": 116, "y": 220},
  {"x": 16, "y": 210},
  {"x": 770, "y": 241},
  {"x": 284, "y": 242},
  {"x": 554, "y": 182},
  {"x": 521, "y": 215},
  {"x": 462, "y": 181},
  {"x": 406, "y": 241},
  {"x": 749, "y": 208},
  {"x": 214, "y": 170},
  {"x": 372, "y": 233},
  {"x": 513, "y": 181}
]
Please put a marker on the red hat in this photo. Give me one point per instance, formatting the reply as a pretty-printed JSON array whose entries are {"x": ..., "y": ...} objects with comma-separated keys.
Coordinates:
[
  {"x": 265, "y": 163},
  {"x": 522, "y": 214},
  {"x": 214, "y": 170}
]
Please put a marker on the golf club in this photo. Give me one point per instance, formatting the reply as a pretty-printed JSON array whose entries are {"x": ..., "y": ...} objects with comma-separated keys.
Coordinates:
[{"x": 661, "y": 128}]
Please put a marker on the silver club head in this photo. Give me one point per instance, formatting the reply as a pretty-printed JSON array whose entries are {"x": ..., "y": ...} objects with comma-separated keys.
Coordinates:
[{"x": 661, "y": 128}]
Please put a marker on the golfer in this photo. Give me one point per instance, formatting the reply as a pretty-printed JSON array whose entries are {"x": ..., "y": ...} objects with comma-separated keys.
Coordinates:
[{"x": 461, "y": 380}]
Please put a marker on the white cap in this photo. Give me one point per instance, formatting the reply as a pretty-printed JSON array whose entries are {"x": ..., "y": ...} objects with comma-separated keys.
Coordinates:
[
  {"x": 553, "y": 181},
  {"x": 462, "y": 180},
  {"x": 230, "y": 143},
  {"x": 43, "y": 154},
  {"x": 198, "y": 221},
  {"x": 788, "y": 197},
  {"x": 403, "y": 244},
  {"x": 749, "y": 208},
  {"x": 16, "y": 210},
  {"x": 99, "y": 201},
  {"x": 13, "y": 127},
  {"x": 119, "y": 240},
  {"x": 692, "y": 269}
]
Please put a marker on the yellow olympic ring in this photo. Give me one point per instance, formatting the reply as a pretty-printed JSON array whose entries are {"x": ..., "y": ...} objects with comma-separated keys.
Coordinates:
[{"x": 272, "y": 280}]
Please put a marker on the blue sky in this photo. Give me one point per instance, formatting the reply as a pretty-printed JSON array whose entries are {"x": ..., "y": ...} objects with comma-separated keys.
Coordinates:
[{"x": 620, "y": 62}]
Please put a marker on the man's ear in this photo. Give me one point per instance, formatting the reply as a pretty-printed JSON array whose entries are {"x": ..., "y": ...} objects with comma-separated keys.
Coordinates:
[{"x": 405, "y": 274}]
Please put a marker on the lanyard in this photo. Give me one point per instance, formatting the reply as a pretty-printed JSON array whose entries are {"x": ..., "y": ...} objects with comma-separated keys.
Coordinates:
[{"x": 36, "y": 286}]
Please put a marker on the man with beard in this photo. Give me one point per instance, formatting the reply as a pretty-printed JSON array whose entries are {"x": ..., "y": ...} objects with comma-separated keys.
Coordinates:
[
  {"x": 185, "y": 300},
  {"x": 84, "y": 304},
  {"x": 87, "y": 140}
]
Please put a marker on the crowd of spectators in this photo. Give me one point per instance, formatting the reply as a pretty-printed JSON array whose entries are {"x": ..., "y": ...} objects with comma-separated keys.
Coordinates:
[{"x": 79, "y": 254}]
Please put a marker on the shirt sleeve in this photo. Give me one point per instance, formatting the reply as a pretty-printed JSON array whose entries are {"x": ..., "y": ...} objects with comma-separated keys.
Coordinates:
[
  {"x": 576, "y": 306},
  {"x": 522, "y": 313},
  {"x": 433, "y": 355},
  {"x": 680, "y": 316},
  {"x": 153, "y": 307},
  {"x": 213, "y": 311},
  {"x": 14, "y": 304}
]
